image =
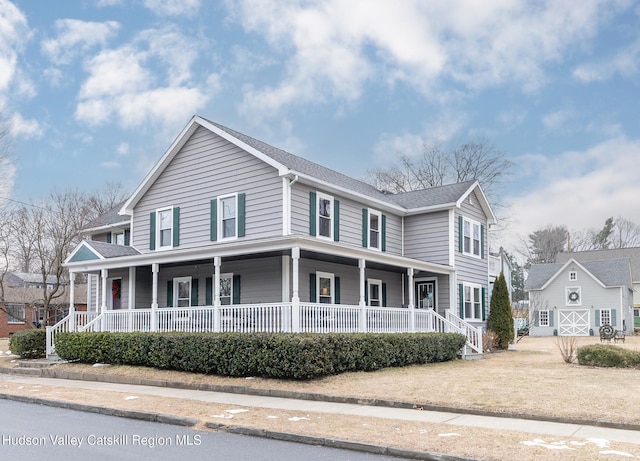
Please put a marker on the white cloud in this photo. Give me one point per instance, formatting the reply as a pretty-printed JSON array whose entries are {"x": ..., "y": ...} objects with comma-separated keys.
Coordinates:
[
  {"x": 624, "y": 63},
  {"x": 332, "y": 49},
  {"x": 22, "y": 128},
  {"x": 145, "y": 81},
  {"x": 14, "y": 33},
  {"x": 557, "y": 120},
  {"x": 123, "y": 149},
  {"x": 577, "y": 189},
  {"x": 173, "y": 7},
  {"x": 75, "y": 36},
  {"x": 110, "y": 165}
]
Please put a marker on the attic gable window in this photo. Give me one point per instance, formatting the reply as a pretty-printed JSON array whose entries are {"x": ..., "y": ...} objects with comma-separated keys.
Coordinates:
[{"x": 573, "y": 276}]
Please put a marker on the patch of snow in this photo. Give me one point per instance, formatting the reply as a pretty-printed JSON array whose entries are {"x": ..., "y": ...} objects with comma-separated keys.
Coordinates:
[
  {"x": 131, "y": 397},
  {"x": 600, "y": 443},
  {"x": 99, "y": 365},
  {"x": 8, "y": 352},
  {"x": 423, "y": 431},
  {"x": 249, "y": 377},
  {"x": 550, "y": 446},
  {"x": 222, "y": 416},
  {"x": 236, "y": 411},
  {"x": 618, "y": 453},
  {"x": 449, "y": 434},
  {"x": 272, "y": 417},
  {"x": 298, "y": 418}
]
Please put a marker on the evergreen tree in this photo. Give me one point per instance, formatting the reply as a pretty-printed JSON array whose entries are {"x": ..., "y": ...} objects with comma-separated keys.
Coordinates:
[{"x": 500, "y": 317}]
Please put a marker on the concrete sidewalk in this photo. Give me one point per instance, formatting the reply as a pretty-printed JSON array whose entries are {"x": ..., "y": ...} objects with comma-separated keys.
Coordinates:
[{"x": 557, "y": 429}]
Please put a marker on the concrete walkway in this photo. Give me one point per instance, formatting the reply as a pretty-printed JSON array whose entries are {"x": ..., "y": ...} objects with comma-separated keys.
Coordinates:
[{"x": 442, "y": 417}]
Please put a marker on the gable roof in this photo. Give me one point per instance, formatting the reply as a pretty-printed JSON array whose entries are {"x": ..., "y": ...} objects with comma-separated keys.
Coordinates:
[
  {"x": 601, "y": 255},
  {"x": 293, "y": 166},
  {"x": 608, "y": 273},
  {"x": 89, "y": 250}
]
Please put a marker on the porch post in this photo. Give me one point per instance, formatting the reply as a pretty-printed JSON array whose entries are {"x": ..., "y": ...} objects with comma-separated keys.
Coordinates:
[
  {"x": 295, "y": 299},
  {"x": 104, "y": 273},
  {"x": 155, "y": 268},
  {"x": 217, "y": 263},
  {"x": 362, "y": 321},
  {"x": 412, "y": 310},
  {"x": 72, "y": 306},
  {"x": 131, "y": 304}
]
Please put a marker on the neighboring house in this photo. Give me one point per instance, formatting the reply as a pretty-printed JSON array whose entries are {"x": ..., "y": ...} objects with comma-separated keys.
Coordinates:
[
  {"x": 232, "y": 233},
  {"x": 602, "y": 255},
  {"x": 23, "y": 302},
  {"x": 498, "y": 262},
  {"x": 576, "y": 298}
]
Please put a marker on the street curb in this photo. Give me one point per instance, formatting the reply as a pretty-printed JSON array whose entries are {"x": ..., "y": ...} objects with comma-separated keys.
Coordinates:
[
  {"x": 336, "y": 443},
  {"x": 51, "y": 372},
  {"x": 131, "y": 414}
]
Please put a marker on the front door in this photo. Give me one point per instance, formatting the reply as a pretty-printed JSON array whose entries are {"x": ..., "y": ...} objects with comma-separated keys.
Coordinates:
[
  {"x": 116, "y": 294},
  {"x": 426, "y": 295}
]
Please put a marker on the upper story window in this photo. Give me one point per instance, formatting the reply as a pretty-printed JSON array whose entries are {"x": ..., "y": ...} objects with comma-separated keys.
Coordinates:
[
  {"x": 228, "y": 217},
  {"x": 573, "y": 276},
  {"x": 324, "y": 216},
  {"x": 373, "y": 229},
  {"x": 164, "y": 228},
  {"x": 471, "y": 237},
  {"x": 375, "y": 225}
]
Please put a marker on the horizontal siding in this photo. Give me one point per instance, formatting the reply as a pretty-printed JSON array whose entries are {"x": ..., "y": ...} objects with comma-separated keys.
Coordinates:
[
  {"x": 472, "y": 269},
  {"x": 350, "y": 219},
  {"x": 206, "y": 167},
  {"x": 427, "y": 237}
]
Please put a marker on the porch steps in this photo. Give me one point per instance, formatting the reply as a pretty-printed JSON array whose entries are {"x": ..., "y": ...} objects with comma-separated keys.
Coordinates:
[{"x": 472, "y": 356}]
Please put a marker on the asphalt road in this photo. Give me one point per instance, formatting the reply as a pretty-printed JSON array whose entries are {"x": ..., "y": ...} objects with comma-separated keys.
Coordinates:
[{"x": 42, "y": 433}]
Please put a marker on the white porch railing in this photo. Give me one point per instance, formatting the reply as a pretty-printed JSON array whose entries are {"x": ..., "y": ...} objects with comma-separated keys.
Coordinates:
[
  {"x": 277, "y": 317},
  {"x": 473, "y": 334}
]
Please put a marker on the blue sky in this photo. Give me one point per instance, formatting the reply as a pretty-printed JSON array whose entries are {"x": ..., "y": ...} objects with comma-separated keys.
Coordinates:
[{"x": 95, "y": 91}]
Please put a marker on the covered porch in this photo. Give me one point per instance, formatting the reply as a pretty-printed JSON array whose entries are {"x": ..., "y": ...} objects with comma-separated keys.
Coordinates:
[{"x": 292, "y": 284}]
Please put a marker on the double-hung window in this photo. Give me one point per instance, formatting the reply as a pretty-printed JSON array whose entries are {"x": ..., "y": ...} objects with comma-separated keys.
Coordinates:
[
  {"x": 472, "y": 238},
  {"x": 182, "y": 292},
  {"x": 543, "y": 318},
  {"x": 605, "y": 317},
  {"x": 472, "y": 302},
  {"x": 325, "y": 216},
  {"x": 375, "y": 225},
  {"x": 325, "y": 287},
  {"x": 15, "y": 313},
  {"x": 375, "y": 292},
  {"x": 226, "y": 289},
  {"x": 164, "y": 235},
  {"x": 228, "y": 217}
]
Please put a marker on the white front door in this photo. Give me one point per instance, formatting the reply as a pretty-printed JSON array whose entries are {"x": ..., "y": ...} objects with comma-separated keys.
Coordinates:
[{"x": 573, "y": 322}]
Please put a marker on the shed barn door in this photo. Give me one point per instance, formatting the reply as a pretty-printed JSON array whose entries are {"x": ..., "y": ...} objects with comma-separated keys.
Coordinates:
[{"x": 573, "y": 323}]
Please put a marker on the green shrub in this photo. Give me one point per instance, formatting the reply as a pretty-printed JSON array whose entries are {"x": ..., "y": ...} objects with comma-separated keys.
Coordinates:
[
  {"x": 601, "y": 355},
  {"x": 29, "y": 344},
  {"x": 275, "y": 355}
]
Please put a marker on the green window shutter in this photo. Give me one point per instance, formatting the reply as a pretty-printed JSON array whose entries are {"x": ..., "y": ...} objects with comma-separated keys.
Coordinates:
[
  {"x": 236, "y": 289},
  {"x": 152, "y": 230},
  {"x": 109, "y": 237},
  {"x": 461, "y": 299},
  {"x": 460, "y": 235},
  {"x": 336, "y": 220},
  {"x": 241, "y": 214},
  {"x": 208, "y": 291},
  {"x": 336, "y": 295},
  {"x": 597, "y": 317},
  {"x": 170, "y": 293},
  {"x": 313, "y": 204},
  {"x": 613, "y": 318},
  {"x": 365, "y": 227},
  {"x": 383, "y": 234},
  {"x": 194, "y": 292},
  {"x": 127, "y": 237},
  {"x": 176, "y": 226},
  {"x": 551, "y": 317},
  {"x": 313, "y": 298},
  {"x": 482, "y": 241},
  {"x": 213, "y": 219},
  {"x": 484, "y": 304},
  {"x": 384, "y": 295}
]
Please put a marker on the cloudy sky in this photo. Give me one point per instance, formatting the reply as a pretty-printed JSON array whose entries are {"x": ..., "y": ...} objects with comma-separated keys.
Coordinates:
[{"x": 95, "y": 90}]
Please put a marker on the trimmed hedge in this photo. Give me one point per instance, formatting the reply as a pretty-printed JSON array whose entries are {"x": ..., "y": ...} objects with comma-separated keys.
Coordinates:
[
  {"x": 275, "y": 355},
  {"x": 29, "y": 344},
  {"x": 602, "y": 355}
]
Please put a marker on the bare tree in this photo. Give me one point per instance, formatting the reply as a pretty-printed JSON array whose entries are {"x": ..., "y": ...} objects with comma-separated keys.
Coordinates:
[
  {"x": 626, "y": 234},
  {"x": 440, "y": 164},
  {"x": 545, "y": 244},
  {"x": 104, "y": 199}
]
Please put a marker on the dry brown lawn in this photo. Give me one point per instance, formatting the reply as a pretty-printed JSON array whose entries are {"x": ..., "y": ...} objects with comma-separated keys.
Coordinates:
[{"x": 532, "y": 380}]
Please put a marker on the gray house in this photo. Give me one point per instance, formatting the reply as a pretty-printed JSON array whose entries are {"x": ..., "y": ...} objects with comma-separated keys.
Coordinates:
[
  {"x": 229, "y": 233},
  {"x": 576, "y": 298}
]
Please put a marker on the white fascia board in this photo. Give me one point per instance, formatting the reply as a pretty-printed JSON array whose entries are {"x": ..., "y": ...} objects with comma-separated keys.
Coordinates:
[
  {"x": 106, "y": 227},
  {"x": 484, "y": 203},
  {"x": 569, "y": 262}
]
